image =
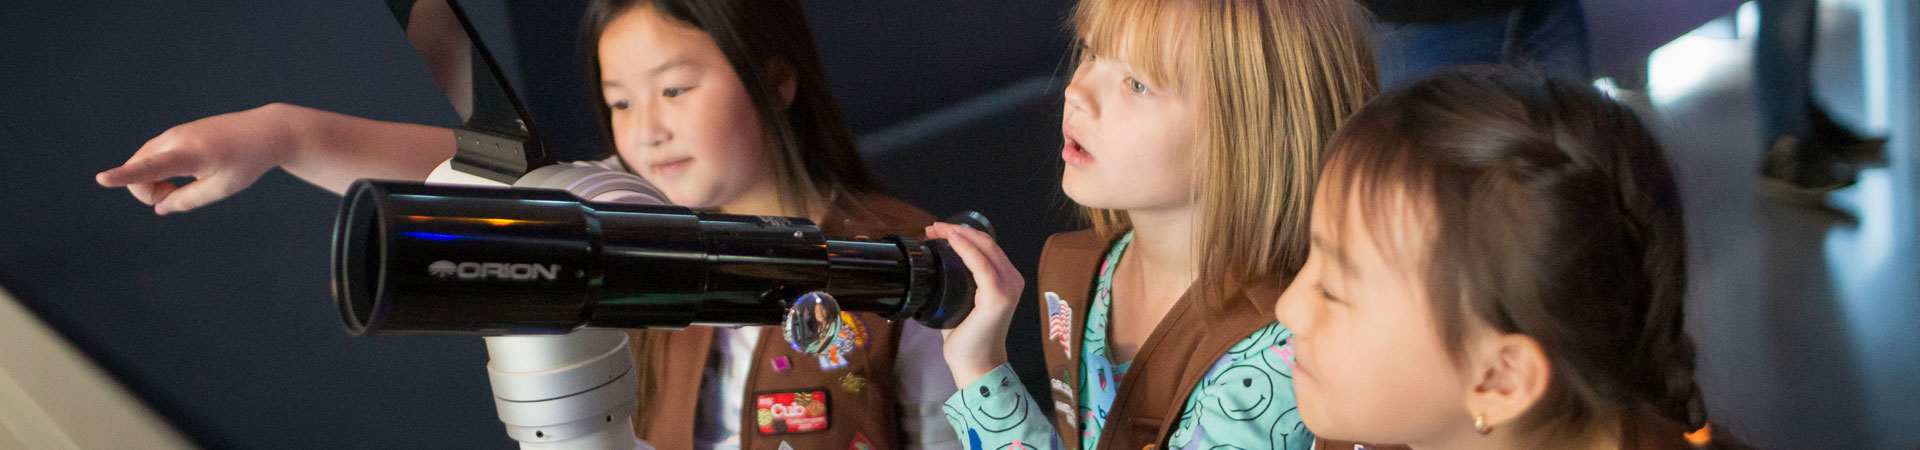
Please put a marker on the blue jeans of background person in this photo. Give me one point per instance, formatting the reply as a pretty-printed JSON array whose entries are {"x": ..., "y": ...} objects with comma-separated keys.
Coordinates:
[
  {"x": 1546, "y": 34},
  {"x": 1782, "y": 68}
]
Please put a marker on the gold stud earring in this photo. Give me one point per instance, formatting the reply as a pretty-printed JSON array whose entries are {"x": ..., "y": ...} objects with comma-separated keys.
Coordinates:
[{"x": 1480, "y": 424}]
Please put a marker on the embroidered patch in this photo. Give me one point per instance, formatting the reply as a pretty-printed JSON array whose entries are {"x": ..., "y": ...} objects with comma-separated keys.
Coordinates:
[
  {"x": 791, "y": 412},
  {"x": 781, "y": 364},
  {"x": 1060, "y": 323},
  {"x": 1063, "y": 409},
  {"x": 835, "y": 359},
  {"x": 853, "y": 330},
  {"x": 860, "y": 442},
  {"x": 852, "y": 383},
  {"x": 853, "y": 335}
]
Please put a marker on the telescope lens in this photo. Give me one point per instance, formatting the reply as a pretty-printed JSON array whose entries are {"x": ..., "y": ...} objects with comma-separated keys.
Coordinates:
[{"x": 359, "y": 269}]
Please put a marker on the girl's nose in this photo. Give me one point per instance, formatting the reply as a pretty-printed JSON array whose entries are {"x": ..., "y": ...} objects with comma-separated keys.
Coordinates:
[
  {"x": 643, "y": 129},
  {"x": 1079, "y": 94},
  {"x": 1292, "y": 308}
]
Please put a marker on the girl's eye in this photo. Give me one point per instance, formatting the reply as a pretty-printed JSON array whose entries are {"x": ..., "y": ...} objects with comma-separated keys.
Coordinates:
[
  {"x": 1324, "y": 294},
  {"x": 1136, "y": 86},
  {"x": 620, "y": 105},
  {"x": 674, "y": 92}
]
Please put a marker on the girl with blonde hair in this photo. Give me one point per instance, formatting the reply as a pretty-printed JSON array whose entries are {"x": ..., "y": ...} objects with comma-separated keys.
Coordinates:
[{"x": 1192, "y": 133}]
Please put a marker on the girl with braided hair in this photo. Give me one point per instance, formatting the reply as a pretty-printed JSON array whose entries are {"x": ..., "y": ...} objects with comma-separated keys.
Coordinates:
[{"x": 1497, "y": 262}]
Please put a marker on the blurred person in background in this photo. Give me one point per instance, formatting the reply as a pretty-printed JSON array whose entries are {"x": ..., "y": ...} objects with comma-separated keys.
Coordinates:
[
  {"x": 1413, "y": 38},
  {"x": 1808, "y": 153}
]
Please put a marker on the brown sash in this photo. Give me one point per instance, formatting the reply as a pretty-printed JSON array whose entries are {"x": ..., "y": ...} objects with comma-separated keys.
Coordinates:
[{"x": 1169, "y": 365}]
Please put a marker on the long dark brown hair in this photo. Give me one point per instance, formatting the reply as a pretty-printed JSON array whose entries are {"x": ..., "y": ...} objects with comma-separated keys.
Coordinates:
[
  {"x": 1556, "y": 216},
  {"x": 812, "y": 150}
]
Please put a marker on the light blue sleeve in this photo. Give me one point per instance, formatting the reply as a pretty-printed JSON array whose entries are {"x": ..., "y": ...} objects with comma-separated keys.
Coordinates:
[
  {"x": 1246, "y": 400},
  {"x": 995, "y": 413}
]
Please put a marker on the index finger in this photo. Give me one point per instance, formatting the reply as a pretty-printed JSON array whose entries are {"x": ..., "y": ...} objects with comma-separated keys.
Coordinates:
[
  {"x": 147, "y": 168},
  {"x": 980, "y": 239}
]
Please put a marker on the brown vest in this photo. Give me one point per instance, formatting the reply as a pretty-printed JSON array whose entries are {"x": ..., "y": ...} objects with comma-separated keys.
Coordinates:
[
  {"x": 1169, "y": 365},
  {"x": 862, "y": 398}
]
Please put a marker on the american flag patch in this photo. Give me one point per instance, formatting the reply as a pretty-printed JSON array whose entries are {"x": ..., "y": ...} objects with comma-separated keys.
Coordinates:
[{"x": 1060, "y": 322}]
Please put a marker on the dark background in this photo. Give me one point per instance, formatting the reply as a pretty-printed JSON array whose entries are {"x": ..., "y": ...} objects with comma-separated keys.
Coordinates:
[{"x": 221, "y": 318}]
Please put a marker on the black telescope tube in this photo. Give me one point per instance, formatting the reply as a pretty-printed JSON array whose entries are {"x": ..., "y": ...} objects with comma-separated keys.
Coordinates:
[{"x": 430, "y": 259}]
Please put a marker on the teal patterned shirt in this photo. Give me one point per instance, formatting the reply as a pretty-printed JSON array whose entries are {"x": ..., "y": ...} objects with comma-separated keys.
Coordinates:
[{"x": 1244, "y": 402}]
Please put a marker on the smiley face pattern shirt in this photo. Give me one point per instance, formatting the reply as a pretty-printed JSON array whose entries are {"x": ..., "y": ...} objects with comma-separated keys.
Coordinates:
[{"x": 1245, "y": 401}]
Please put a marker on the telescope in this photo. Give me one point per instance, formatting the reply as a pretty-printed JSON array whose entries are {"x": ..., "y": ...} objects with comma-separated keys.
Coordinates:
[{"x": 445, "y": 259}]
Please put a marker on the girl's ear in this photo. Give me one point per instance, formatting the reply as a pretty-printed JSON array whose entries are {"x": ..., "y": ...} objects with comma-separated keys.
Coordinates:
[
  {"x": 1511, "y": 373},
  {"x": 784, "y": 79}
]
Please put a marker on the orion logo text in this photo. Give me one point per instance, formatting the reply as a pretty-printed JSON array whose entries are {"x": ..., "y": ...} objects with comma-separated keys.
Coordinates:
[{"x": 493, "y": 270}]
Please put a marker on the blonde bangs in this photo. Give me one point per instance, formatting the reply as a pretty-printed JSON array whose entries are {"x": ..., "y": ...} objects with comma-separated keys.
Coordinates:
[{"x": 1153, "y": 37}]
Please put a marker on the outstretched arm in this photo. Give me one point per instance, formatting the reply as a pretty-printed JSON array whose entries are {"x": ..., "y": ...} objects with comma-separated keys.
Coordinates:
[{"x": 228, "y": 152}]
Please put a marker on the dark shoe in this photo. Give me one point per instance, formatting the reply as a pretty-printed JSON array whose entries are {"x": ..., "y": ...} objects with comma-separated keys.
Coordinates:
[
  {"x": 1802, "y": 174},
  {"x": 1847, "y": 143}
]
